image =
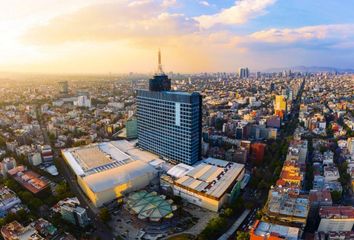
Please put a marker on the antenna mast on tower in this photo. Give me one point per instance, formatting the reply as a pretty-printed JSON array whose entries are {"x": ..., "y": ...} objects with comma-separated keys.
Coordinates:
[{"x": 159, "y": 66}]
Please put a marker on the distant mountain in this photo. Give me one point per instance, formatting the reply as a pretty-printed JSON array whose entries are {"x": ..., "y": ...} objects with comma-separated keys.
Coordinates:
[{"x": 311, "y": 69}]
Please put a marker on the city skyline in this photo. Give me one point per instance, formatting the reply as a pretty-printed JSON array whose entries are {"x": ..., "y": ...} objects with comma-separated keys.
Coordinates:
[{"x": 195, "y": 36}]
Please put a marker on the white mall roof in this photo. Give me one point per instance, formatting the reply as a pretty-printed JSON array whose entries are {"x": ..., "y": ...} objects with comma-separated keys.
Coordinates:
[
  {"x": 108, "y": 164},
  {"x": 120, "y": 175},
  {"x": 98, "y": 157}
]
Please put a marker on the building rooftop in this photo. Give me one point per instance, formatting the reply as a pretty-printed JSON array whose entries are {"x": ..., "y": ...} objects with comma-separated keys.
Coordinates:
[
  {"x": 287, "y": 205},
  {"x": 32, "y": 181},
  {"x": 337, "y": 212},
  {"x": 265, "y": 229},
  {"x": 98, "y": 157},
  {"x": 150, "y": 205},
  {"x": 212, "y": 177},
  {"x": 323, "y": 196},
  {"x": 16, "y": 231},
  {"x": 8, "y": 197},
  {"x": 108, "y": 164},
  {"x": 179, "y": 170}
]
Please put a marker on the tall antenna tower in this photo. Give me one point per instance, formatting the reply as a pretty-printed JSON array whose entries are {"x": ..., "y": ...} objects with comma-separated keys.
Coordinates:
[{"x": 159, "y": 66}]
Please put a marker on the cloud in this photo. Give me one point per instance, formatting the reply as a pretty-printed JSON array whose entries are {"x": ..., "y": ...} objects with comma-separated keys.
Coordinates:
[
  {"x": 318, "y": 32},
  {"x": 204, "y": 3},
  {"x": 239, "y": 13},
  {"x": 335, "y": 35},
  {"x": 111, "y": 22},
  {"x": 168, "y": 3}
]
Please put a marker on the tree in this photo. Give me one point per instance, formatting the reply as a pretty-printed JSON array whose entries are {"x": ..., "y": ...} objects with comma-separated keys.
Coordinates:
[
  {"x": 336, "y": 196},
  {"x": 105, "y": 215},
  {"x": 62, "y": 190},
  {"x": 242, "y": 235},
  {"x": 35, "y": 204},
  {"x": 259, "y": 214},
  {"x": 215, "y": 227},
  {"x": 228, "y": 212},
  {"x": 25, "y": 196},
  {"x": 2, "y": 142},
  {"x": 12, "y": 185}
]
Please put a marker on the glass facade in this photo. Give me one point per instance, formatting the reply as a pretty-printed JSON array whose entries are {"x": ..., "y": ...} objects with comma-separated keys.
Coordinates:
[{"x": 169, "y": 124}]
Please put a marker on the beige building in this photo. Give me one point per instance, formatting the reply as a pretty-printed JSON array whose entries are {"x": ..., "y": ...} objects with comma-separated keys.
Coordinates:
[{"x": 106, "y": 171}]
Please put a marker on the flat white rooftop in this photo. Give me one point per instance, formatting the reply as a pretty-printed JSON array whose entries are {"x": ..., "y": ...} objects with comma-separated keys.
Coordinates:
[
  {"x": 99, "y": 157},
  {"x": 212, "y": 177}
]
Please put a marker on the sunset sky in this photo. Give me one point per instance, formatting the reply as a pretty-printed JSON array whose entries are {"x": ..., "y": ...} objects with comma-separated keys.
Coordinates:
[{"x": 100, "y": 36}]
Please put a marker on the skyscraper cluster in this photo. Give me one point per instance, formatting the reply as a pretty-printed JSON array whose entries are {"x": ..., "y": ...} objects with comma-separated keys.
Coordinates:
[{"x": 243, "y": 73}]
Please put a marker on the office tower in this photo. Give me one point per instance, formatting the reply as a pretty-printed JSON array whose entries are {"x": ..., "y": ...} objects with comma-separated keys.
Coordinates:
[
  {"x": 280, "y": 106},
  {"x": 132, "y": 128},
  {"x": 169, "y": 123},
  {"x": 64, "y": 88},
  {"x": 243, "y": 73},
  {"x": 257, "y": 152},
  {"x": 258, "y": 75}
]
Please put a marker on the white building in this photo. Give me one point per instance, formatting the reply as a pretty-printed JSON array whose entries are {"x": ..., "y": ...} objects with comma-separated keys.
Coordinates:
[
  {"x": 35, "y": 158},
  {"x": 207, "y": 185},
  {"x": 83, "y": 101},
  {"x": 7, "y": 164},
  {"x": 106, "y": 171},
  {"x": 330, "y": 173},
  {"x": 8, "y": 199}
]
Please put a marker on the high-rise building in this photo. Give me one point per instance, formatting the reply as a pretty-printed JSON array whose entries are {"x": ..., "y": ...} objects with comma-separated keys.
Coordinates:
[
  {"x": 64, "y": 87},
  {"x": 280, "y": 106},
  {"x": 257, "y": 152},
  {"x": 243, "y": 73},
  {"x": 132, "y": 128},
  {"x": 169, "y": 122}
]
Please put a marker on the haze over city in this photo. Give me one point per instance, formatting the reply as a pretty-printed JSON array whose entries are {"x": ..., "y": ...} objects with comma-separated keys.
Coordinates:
[{"x": 101, "y": 36}]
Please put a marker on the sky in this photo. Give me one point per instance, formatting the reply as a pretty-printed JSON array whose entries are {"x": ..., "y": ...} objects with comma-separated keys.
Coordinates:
[{"x": 119, "y": 36}]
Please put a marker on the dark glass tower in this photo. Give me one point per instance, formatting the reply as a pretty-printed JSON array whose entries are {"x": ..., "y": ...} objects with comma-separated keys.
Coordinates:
[
  {"x": 169, "y": 122},
  {"x": 160, "y": 82}
]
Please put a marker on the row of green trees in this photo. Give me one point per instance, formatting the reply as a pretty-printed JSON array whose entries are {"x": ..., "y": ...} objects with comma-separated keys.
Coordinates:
[{"x": 218, "y": 225}]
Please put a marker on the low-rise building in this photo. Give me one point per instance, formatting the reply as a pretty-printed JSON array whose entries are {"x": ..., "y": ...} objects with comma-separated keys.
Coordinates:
[
  {"x": 210, "y": 184},
  {"x": 287, "y": 208},
  {"x": 71, "y": 211},
  {"x": 16, "y": 231},
  {"x": 31, "y": 181},
  {"x": 268, "y": 231},
  {"x": 336, "y": 219},
  {"x": 8, "y": 200},
  {"x": 7, "y": 164}
]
